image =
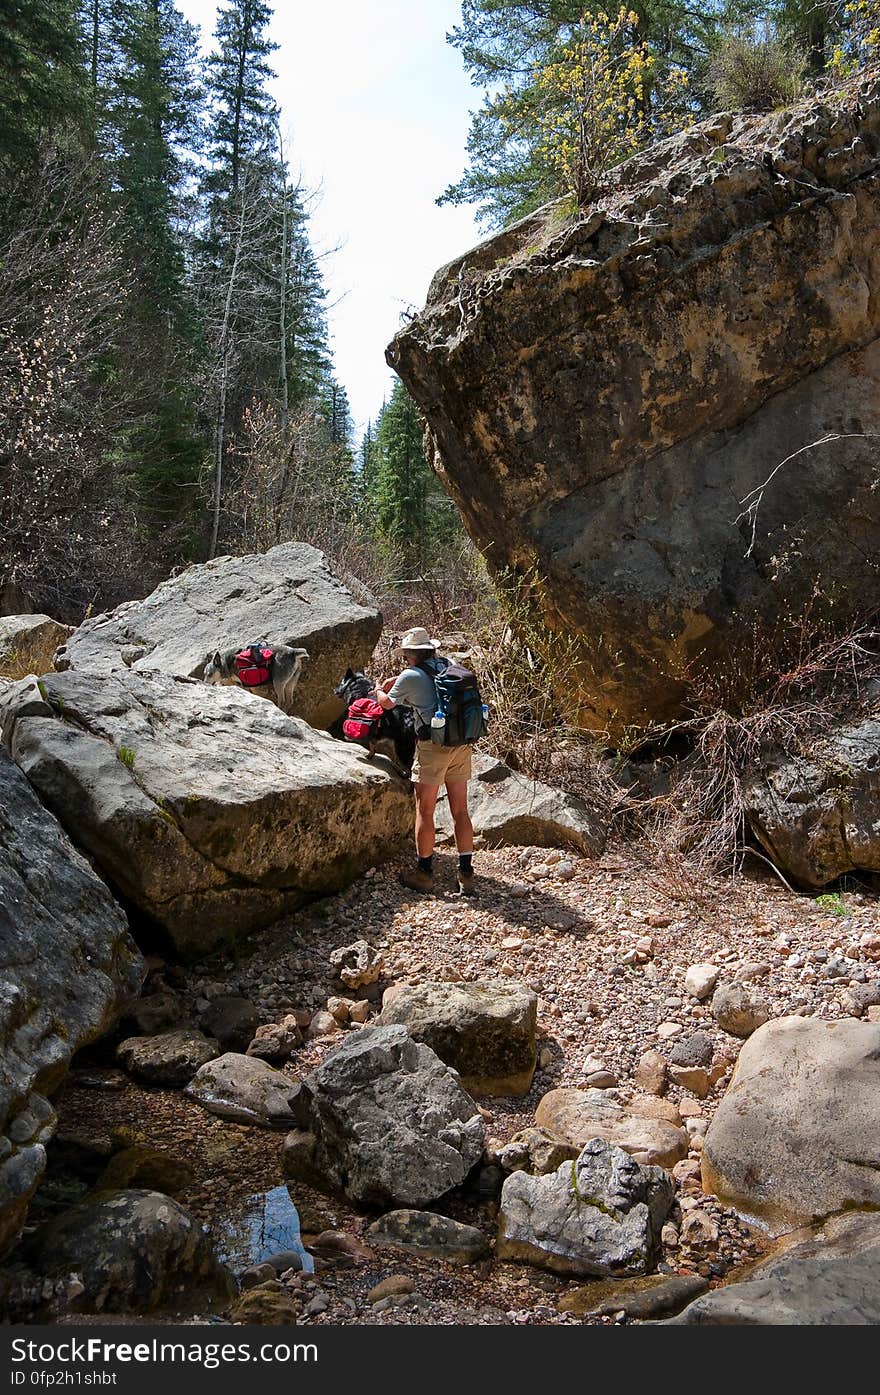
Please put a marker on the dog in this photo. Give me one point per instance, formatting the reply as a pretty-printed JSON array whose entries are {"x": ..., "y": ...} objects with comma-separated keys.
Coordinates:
[
  {"x": 284, "y": 670},
  {"x": 396, "y": 726}
]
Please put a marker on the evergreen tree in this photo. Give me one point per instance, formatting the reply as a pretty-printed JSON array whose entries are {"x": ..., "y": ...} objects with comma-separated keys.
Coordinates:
[
  {"x": 413, "y": 516},
  {"x": 41, "y": 77}
]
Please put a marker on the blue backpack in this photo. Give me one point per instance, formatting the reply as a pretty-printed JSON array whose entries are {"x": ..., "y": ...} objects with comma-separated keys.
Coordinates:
[{"x": 458, "y": 698}]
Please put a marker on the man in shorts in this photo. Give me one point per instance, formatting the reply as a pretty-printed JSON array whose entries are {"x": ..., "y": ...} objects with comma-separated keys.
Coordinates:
[{"x": 434, "y": 766}]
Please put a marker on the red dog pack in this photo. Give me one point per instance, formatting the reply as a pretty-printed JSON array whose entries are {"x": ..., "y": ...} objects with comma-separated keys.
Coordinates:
[{"x": 362, "y": 722}]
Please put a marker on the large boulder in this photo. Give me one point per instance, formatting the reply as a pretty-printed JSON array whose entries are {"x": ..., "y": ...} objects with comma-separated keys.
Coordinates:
[
  {"x": 68, "y": 968},
  {"x": 507, "y": 807},
  {"x": 28, "y": 643},
  {"x": 828, "y": 1279},
  {"x": 485, "y": 1031},
  {"x": 132, "y": 1252},
  {"x": 817, "y": 815},
  {"x": 170, "y": 1059},
  {"x": 212, "y": 811},
  {"x": 384, "y": 1121},
  {"x": 797, "y": 1135},
  {"x": 287, "y": 595},
  {"x": 601, "y": 1214},
  {"x": 576, "y": 1116},
  {"x": 607, "y": 390},
  {"x": 245, "y": 1089}
]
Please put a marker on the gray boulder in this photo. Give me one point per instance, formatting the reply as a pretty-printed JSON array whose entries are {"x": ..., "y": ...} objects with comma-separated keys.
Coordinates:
[
  {"x": 817, "y": 815},
  {"x": 830, "y": 1279},
  {"x": 576, "y": 1116},
  {"x": 485, "y": 1031},
  {"x": 509, "y": 808},
  {"x": 170, "y": 1059},
  {"x": 384, "y": 1121},
  {"x": 68, "y": 968},
  {"x": 426, "y": 1233},
  {"x": 211, "y": 810},
  {"x": 132, "y": 1252},
  {"x": 246, "y": 1089},
  {"x": 28, "y": 643},
  {"x": 797, "y": 1135},
  {"x": 601, "y": 1214},
  {"x": 287, "y": 595}
]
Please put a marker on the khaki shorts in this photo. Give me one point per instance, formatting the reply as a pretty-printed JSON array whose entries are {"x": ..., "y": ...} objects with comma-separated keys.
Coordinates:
[{"x": 441, "y": 765}]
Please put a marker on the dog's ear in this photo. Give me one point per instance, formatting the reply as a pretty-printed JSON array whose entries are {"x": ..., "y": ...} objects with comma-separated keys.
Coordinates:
[
  {"x": 349, "y": 674},
  {"x": 216, "y": 659}
]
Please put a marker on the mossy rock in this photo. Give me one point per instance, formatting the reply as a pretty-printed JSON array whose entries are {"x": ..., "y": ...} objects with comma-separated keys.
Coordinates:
[{"x": 149, "y": 1168}]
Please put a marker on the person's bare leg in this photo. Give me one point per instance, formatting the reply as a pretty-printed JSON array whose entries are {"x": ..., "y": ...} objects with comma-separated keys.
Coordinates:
[
  {"x": 456, "y": 793},
  {"x": 421, "y": 877}
]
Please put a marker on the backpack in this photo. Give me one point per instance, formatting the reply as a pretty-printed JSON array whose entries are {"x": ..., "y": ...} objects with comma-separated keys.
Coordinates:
[
  {"x": 458, "y": 698},
  {"x": 253, "y": 664},
  {"x": 362, "y": 722}
]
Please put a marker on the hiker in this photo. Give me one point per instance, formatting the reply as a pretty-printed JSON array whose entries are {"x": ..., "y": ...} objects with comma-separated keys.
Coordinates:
[{"x": 438, "y": 761}]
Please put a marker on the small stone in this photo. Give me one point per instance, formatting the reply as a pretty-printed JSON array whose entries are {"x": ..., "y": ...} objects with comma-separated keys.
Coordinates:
[
  {"x": 322, "y": 1024},
  {"x": 669, "y": 1235},
  {"x": 359, "y": 1011},
  {"x": 699, "y": 1230},
  {"x": 545, "y": 1059},
  {"x": 395, "y": 1283},
  {"x": 738, "y": 1011},
  {"x": 650, "y": 1073},
  {"x": 602, "y": 1080},
  {"x": 700, "y": 980},
  {"x": 257, "y": 1274},
  {"x": 695, "y": 1050},
  {"x": 693, "y": 1078},
  {"x": 338, "y": 1009},
  {"x": 667, "y": 1030}
]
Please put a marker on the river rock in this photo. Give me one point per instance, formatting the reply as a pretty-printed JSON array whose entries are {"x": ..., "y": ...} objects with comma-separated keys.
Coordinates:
[
  {"x": 603, "y": 387},
  {"x": 830, "y": 1278},
  {"x": 28, "y": 643},
  {"x": 601, "y": 1214},
  {"x": 507, "y": 807},
  {"x": 580, "y": 1115},
  {"x": 426, "y": 1233},
  {"x": 170, "y": 1059},
  {"x": 797, "y": 1135},
  {"x": 738, "y": 1010},
  {"x": 276, "y": 1041},
  {"x": 650, "y": 1296},
  {"x": 817, "y": 815},
  {"x": 68, "y": 970},
  {"x": 232, "y": 1020},
  {"x": 384, "y": 1121},
  {"x": 695, "y": 1050},
  {"x": 211, "y": 811},
  {"x": 485, "y": 1031},
  {"x": 536, "y": 1150},
  {"x": 245, "y": 1089},
  {"x": 287, "y": 595},
  {"x": 132, "y": 1252},
  {"x": 700, "y": 980}
]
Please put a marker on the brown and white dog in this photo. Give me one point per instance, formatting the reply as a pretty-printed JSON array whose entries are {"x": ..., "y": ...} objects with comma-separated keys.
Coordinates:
[{"x": 284, "y": 672}]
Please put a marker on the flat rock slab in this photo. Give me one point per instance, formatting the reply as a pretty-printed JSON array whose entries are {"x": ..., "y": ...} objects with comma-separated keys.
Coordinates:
[
  {"x": 28, "y": 643},
  {"x": 287, "y": 595},
  {"x": 601, "y": 1214},
  {"x": 427, "y": 1233},
  {"x": 509, "y": 808},
  {"x": 245, "y": 1089},
  {"x": 134, "y": 1252},
  {"x": 211, "y": 810},
  {"x": 579, "y": 1115},
  {"x": 170, "y": 1058},
  {"x": 485, "y": 1031},
  {"x": 817, "y": 817},
  {"x": 385, "y": 1122},
  {"x": 68, "y": 970},
  {"x": 651, "y": 1296},
  {"x": 830, "y": 1279},
  {"x": 797, "y": 1135}
]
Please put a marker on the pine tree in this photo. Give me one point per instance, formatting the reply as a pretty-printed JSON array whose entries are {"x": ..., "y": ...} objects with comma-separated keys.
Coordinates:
[
  {"x": 41, "y": 78},
  {"x": 413, "y": 517}
]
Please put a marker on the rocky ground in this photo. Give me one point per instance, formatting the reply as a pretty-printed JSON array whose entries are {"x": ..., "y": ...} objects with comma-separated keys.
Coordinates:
[{"x": 606, "y": 944}]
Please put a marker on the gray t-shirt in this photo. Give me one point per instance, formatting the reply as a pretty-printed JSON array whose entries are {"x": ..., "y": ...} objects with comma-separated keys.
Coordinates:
[{"x": 415, "y": 688}]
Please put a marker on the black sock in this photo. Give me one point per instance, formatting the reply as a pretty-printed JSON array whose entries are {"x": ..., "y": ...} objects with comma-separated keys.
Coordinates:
[
  {"x": 464, "y": 863},
  {"x": 426, "y": 864}
]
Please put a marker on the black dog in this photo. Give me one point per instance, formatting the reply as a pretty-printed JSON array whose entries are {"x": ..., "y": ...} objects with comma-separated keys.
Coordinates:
[{"x": 397, "y": 725}]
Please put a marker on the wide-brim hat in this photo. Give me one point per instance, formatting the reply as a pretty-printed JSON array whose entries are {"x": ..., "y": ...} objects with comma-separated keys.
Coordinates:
[{"x": 418, "y": 639}]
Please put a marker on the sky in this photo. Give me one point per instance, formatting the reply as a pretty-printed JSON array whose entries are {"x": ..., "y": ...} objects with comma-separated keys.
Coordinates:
[{"x": 375, "y": 108}]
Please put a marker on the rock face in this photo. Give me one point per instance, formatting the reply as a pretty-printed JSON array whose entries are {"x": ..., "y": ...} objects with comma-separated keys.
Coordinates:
[
  {"x": 580, "y": 1115},
  {"x": 287, "y": 595},
  {"x": 68, "y": 968},
  {"x": 211, "y": 810},
  {"x": 509, "y": 808},
  {"x": 829, "y": 1279},
  {"x": 601, "y": 1214},
  {"x": 28, "y": 643},
  {"x": 603, "y": 389},
  {"x": 485, "y": 1031},
  {"x": 817, "y": 817},
  {"x": 383, "y": 1120},
  {"x": 797, "y": 1135},
  {"x": 133, "y": 1251}
]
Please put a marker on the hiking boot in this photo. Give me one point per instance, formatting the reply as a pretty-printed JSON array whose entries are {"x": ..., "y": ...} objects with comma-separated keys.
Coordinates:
[
  {"x": 466, "y": 883},
  {"x": 417, "y": 880}
]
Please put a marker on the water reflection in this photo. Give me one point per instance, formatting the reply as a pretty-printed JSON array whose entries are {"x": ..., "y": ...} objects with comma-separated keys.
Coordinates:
[{"x": 259, "y": 1227}]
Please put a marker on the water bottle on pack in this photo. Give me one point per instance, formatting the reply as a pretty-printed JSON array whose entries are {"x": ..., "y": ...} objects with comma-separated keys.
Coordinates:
[{"x": 438, "y": 727}]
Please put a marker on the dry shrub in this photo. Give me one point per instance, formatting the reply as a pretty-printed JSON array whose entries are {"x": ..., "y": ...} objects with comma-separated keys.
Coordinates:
[{"x": 748, "y": 74}]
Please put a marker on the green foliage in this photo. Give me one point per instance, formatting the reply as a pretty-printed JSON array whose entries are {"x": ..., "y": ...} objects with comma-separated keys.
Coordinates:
[
  {"x": 832, "y": 901},
  {"x": 127, "y": 756},
  {"x": 747, "y": 74}
]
